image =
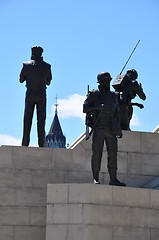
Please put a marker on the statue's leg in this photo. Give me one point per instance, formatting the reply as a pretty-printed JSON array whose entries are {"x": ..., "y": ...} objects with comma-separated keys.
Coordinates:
[
  {"x": 97, "y": 151},
  {"x": 130, "y": 113},
  {"x": 41, "y": 117},
  {"x": 112, "y": 149},
  {"x": 28, "y": 115},
  {"x": 124, "y": 120}
]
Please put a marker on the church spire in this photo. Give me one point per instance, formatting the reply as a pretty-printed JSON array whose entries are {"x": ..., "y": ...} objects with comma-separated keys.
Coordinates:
[
  {"x": 55, "y": 137},
  {"x": 56, "y": 105}
]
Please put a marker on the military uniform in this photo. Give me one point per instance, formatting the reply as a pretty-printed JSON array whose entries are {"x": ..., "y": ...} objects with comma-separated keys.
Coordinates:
[
  {"x": 37, "y": 75},
  {"x": 102, "y": 104},
  {"x": 126, "y": 93}
]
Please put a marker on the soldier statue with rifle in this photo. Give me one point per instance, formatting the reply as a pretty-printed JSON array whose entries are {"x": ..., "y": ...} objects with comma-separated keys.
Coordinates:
[
  {"x": 127, "y": 87},
  {"x": 102, "y": 115}
]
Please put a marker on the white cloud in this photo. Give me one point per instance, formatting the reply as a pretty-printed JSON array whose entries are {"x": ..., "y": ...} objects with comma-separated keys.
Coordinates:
[
  {"x": 71, "y": 106},
  {"x": 135, "y": 121},
  {"x": 9, "y": 140}
]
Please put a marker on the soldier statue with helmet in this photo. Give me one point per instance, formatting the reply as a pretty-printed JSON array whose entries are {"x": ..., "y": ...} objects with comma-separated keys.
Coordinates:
[
  {"x": 102, "y": 106},
  {"x": 37, "y": 75},
  {"x": 127, "y": 87}
]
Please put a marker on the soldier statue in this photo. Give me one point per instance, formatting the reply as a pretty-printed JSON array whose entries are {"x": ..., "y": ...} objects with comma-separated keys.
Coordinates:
[
  {"x": 101, "y": 108},
  {"x": 127, "y": 87},
  {"x": 37, "y": 75}
]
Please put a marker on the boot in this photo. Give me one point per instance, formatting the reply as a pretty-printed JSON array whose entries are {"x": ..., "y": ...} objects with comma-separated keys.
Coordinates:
[
  {"x": 96, "y": 177},
  {"x": 114, "y": 181}
]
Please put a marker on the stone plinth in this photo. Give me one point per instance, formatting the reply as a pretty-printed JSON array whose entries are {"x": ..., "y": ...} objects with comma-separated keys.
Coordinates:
[{"x": 91, "y": 212}]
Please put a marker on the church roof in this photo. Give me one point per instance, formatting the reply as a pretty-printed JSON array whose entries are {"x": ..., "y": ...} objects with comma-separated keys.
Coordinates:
[{"x": 55, "y": 134}]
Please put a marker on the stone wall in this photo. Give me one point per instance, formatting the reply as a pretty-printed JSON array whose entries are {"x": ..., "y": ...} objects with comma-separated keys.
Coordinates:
[
  {"x": 91, "y": 212},
  {"x": 26, "y": 171}
]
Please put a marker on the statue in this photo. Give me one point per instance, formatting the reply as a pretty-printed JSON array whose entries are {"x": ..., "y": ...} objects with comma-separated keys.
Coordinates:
[
  {"x": 127, "y": 87},
  {"x": 102, "y": 115},
  {"x": 37, "y": 75}
]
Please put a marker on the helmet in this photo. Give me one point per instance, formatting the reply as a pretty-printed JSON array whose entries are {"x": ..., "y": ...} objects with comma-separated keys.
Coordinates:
[
  {"x": 132, "y": 73},
  {"x": 36, "y": 51},
  {"x": 103, "y": 76}
]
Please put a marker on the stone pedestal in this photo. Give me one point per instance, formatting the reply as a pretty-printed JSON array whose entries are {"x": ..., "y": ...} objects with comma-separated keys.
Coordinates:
[{"x": 91, "y": 212}]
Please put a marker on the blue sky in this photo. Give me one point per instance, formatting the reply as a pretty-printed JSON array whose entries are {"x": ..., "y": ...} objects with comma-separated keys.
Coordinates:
[{"x": 80, "y": 39}]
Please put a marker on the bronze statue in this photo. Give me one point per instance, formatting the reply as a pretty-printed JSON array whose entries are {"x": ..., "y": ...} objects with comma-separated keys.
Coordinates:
[
  {"x": 127, "y": 87},
  {"x": 101, "y": 108},
  {"x": 37, "y": 75}
]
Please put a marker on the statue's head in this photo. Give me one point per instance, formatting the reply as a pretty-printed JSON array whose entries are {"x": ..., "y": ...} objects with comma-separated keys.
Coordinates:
[
  {"x": 132, "y": 73},
  {"x": 104, "y": 79},
  {"x": 36, "y": 51}
]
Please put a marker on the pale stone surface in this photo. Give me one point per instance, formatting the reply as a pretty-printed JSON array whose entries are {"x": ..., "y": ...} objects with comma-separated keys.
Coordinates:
[
  {"x": 7, "y": 196},
  {"x": 131, "y": 233},
  {"x": 31, "y": 196},
  {"x": 32, "y": 158},
  {"x": 105, "y": 214},
  {"x": 62, "y": 159},
  {"x": 85, "y": 210},
  {"x": 7, "y": 177},
  {"x": 131, "y": 197},
  {"x": 154, "y": 194},
  {"x": 78, "y": 159},
  {"x": 154, "y": 234},
  {"x": 89, "y": 193},
  {"x": 80, "y": 177},
  {"x": 89, "y": 232},
  {"x": 23, "y": 177},
  {"x": 108, "y": 212},
  {"x": 130, "y": 142},
  {"x": 38, "y": 216},
  {"x": 122, "y": 162},
  {"x": 149, "y": 142},
  {"x": 6, "y": 157},
  {"x": 10, "y": 215},
  {"x": 30, "y": 233},
  {"x": 88, "y": 155},
  {"x": 56, "y": 232},
  {"x": 143, "y": 217},
  {"x": 64, "y": 213},
  {"x": 87, "y": 144},
  {"x": 150, "y": 164},
  {"x": 40, "y": 178},
  {"x": 57, "y": 193},
  {"x": 6, "y": 232},
  {"x": 134, "y": 163}
]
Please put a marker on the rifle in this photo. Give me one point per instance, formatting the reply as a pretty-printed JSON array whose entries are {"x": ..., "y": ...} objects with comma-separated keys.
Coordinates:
[
  {"x": 88, "y": 134},
  {"x": 87, "y": 127}
]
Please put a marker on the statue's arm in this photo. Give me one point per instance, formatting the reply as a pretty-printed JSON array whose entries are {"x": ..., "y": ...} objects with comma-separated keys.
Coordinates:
[
  {"x": 140, "y": 92},
  {"x": 49, "y": 77},
  {"x": 22, "y": 75},
  {"x": 89, "y": 104}
]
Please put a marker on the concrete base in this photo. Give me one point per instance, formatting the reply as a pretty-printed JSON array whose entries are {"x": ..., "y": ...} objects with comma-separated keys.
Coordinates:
[
  {"x": 91, "y": 212},
  {"x": 26, "y": 171}
]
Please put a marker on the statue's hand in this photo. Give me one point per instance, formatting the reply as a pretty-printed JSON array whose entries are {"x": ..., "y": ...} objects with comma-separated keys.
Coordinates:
[{"x": 140, "y": 105}]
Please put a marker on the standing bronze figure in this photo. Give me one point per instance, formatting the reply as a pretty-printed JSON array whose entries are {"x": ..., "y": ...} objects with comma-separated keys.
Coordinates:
[
  {"x": 127, "y": 87},
  {"x": 102, "y": 114},
  {"x": 37, "y": 75}
]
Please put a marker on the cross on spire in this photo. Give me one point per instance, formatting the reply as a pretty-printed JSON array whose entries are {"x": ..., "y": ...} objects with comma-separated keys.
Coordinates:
[{"x": 56, "y": 104}]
